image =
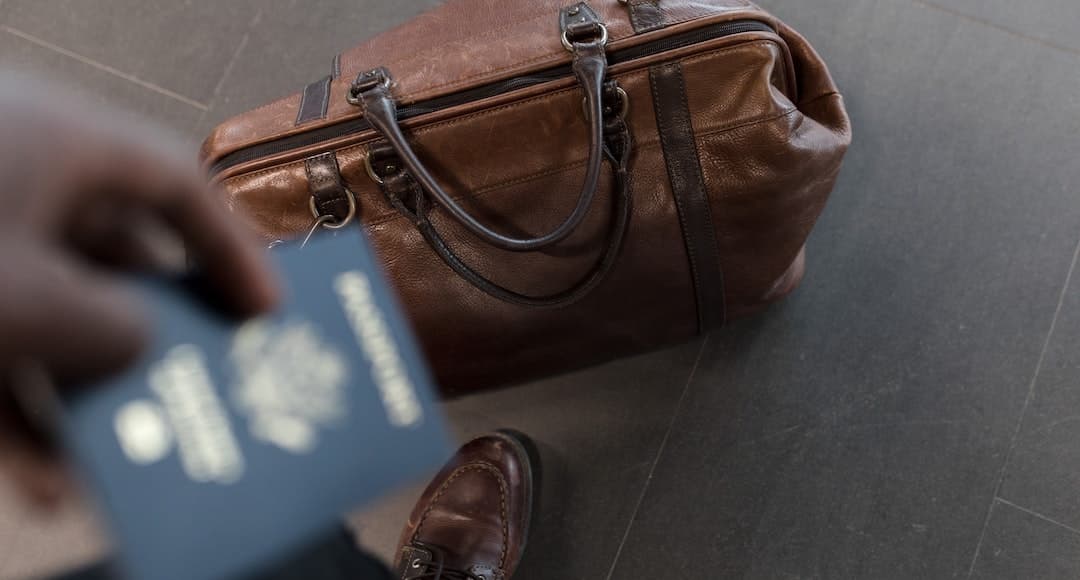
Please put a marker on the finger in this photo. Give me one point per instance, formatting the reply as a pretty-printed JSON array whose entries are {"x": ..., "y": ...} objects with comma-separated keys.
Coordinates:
[
  {"x": 127, "y": 239},
  {"x": 225, "y": 252},
  {"x": 76, "y": 323},
  {"x": 42, "y": 480},
  {"x": 32, "y": 465},
  {"x": 138, "y": 166},
  {"x": 220, "y": 243}
]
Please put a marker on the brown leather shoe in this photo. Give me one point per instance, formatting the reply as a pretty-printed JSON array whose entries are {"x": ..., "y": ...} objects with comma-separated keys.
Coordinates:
[{"x": 472, "y": 521}]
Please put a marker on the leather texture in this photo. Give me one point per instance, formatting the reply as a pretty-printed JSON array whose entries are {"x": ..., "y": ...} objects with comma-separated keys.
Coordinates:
[
  {"x": 765, "y": 118},
  {"x": 688, "y": 187},
  {"x": 589, "y": 68},
  {"x": 645, "y": 15},
  {"x": 314, "y": 101},
  {"x": 450, "y": 47},
  {"x": 401, "y": 189},
  {"x": 579, "y": 19},
  {"x": 474, "y": 516},
  {"x": 327, "y": 189}
]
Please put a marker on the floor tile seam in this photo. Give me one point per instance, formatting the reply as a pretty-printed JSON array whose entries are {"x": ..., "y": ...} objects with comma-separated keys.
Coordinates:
[
  {"x": 656, "y": 459},
  {"x": 1036, "y": 514},
  {"x": 991, "y": 24},
  {"x": 112, "y": 71},
  {"x": 1032, "y": 385}
]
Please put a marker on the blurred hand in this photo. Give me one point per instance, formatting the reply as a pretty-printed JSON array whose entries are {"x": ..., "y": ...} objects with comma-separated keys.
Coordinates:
[{"x": 84, "y": 197}]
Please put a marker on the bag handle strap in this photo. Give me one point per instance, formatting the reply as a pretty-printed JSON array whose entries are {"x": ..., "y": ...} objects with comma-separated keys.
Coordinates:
[
  {"x": 585, "y": 37},
  {"x": 402, "y": 190}
]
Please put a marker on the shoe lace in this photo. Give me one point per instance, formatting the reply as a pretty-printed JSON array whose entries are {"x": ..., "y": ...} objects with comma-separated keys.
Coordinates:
[{"x": 435, "y": 568}]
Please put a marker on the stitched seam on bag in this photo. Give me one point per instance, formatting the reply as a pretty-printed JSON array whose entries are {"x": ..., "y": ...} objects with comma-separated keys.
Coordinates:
[
  {"x": 690, "y": 250},
  {"x": 687, "y": 236},
  {"x": 492, "y": 72},
  {"x": 465, "y": 79},
  {"x": 300, "y": 109},
  {"x": 503, "y": 492},
  {"x": 710, "y": 230},
  {"x": 530, "y": 177},
  {"x": 693, "y": 143},
  {"x": 251, "y": 112},
  {"x": 491, "y": 32},
  {"x": 450, "y": 122},
  {"x": 530, "y": 100},
  {"x": 482, "y": 193},
  {"x": 788, "y": 83},
  {"x": 324, "y": 85},
  {"x": 327, "y": 83},
  {"x": 642, "y": 144},
  {"x": 636, "y": 17},
  {"x": 320, "y": 181},
  {"x": 712, "y": 136},
  {"x": 819, "y": 98}
]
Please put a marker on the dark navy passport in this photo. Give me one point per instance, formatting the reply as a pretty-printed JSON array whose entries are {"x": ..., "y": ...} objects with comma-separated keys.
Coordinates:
[{"x": 230, "y": 445}]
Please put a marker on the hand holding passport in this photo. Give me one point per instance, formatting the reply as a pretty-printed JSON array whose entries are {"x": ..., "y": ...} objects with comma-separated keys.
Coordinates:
[{"x": 229, "y": 444}]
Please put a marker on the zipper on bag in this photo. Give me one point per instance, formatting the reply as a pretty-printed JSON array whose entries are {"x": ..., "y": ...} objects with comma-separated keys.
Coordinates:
[{"x": 349, "y": 127}]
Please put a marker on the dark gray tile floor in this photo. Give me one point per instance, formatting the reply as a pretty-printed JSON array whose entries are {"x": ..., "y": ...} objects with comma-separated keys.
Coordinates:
[
  {"x": 1020, "y": 543},
  {"x": 1050, "y": 22},
  {"x": 1044, "y": 472},
  {"x": 911, "y": 413}
]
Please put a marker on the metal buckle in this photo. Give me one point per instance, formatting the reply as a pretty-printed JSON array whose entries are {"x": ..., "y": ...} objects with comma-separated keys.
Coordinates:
[
  {"x": 324, "y": 220},
  {"x": 382, "y": 151},
  {"x": 365, "y": 81},
  {"x": 624, "y": 104},
  {"x": 371, "y": 170},
  {"x": 602, "y": 39}
]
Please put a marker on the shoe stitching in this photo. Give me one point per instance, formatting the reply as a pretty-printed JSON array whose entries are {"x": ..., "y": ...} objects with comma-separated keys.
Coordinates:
[{"x": 503, "y": 492}]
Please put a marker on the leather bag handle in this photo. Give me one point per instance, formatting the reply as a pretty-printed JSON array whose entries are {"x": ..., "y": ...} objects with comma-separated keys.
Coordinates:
[
  {"x": 371, "y": 90},
  {"x": 399, "y": 187}
]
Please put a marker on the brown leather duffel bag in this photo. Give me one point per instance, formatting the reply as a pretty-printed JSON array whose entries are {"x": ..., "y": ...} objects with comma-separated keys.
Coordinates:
[{"x": 553, "y": 184}]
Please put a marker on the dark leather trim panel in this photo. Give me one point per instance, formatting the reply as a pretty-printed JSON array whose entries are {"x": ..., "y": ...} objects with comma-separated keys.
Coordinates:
[
  {"x": 324, "y": 180},
  {"x": 314, "y": 101},
  {"x": 579, "y": 17},
  {"x": 688, "y": 187},
  {"x": 645, "y": 15}
]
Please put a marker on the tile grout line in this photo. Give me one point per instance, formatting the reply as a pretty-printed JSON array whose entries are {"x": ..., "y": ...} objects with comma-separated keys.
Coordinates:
[
  {"x": 1024, "y": 408},
  {"x": 656, "y": 459},
  {"x": 996, "y": 26},
  {"x": 1037, "y": 514},
  {"x": 229, "y": 67},
  {"x": 104, "y": 68}
]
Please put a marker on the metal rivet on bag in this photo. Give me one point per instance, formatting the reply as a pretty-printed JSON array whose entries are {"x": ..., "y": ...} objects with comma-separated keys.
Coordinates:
[{"x": 573, "y": 10}]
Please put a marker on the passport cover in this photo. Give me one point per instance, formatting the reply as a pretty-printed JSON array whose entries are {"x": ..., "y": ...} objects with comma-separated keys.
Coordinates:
[{"x": 229, "y": 445}]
